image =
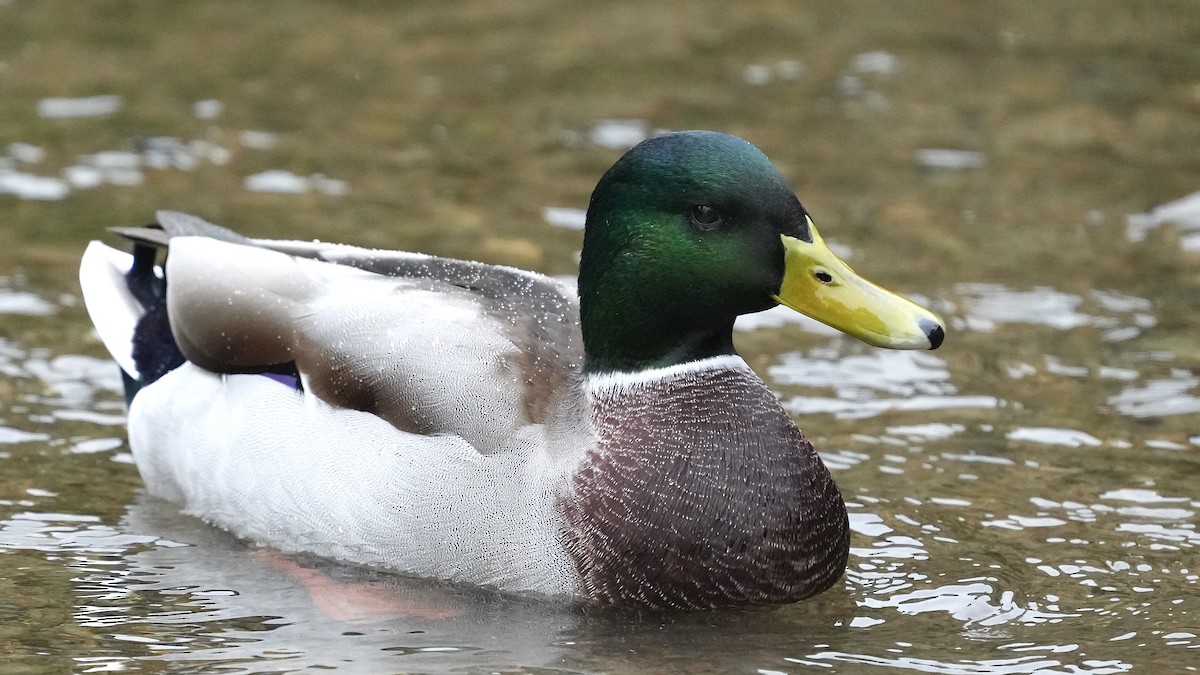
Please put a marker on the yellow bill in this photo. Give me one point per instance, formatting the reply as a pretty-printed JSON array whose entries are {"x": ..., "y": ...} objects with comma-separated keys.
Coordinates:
[{"x": 818, "y": 284}]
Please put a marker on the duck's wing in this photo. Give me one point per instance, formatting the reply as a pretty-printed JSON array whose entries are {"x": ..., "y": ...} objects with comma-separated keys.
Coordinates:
[
  {"x": 431, "y": 345},
  {"x": 540, "y": 314}
]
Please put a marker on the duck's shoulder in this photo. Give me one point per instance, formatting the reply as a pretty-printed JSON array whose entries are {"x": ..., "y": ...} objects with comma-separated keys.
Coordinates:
[
  {"x": 505, "y": 285},
  {"x": 495, "y": 282}
]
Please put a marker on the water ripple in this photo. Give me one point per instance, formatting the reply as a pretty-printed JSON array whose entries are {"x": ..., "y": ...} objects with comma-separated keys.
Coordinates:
[
  {"x": 1118, "y": 316},
  {"x": 865, "y": 385},
  {"x": 1162, "y": 397}
]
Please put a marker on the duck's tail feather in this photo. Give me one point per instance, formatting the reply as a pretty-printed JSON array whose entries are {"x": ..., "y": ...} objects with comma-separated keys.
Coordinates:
[
  {"x": 113, "y": 309},
  {"x": 125, "y": 296},
  {"x": 176, "y": 224}
]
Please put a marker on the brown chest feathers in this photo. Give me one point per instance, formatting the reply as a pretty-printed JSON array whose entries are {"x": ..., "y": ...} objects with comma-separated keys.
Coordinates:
[{"x": 702, "y": 493}]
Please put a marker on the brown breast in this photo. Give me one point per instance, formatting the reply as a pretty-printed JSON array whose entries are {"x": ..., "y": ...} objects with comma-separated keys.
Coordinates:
[{"x": 701, "y": 492}]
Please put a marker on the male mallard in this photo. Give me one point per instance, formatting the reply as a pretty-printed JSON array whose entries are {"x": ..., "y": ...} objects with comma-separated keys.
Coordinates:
[{"x": 481, "y": 424}]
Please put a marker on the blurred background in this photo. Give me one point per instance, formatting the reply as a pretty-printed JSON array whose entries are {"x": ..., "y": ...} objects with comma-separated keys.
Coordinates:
[{"x": 1024, "y": 499}]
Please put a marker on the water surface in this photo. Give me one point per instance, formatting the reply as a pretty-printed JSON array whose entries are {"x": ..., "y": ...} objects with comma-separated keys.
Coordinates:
[{"x": 1023, "y": 500}]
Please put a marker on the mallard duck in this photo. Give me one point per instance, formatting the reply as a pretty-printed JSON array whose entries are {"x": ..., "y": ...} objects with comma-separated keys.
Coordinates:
[{"x": 487, "y": 425}]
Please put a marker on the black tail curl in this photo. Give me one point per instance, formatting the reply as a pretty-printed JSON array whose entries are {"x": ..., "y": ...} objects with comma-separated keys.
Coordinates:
[{"x": 155, "y": 352}]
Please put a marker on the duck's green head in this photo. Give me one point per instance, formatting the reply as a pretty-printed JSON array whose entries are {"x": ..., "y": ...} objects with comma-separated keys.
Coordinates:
[{"x": 689, "y": 230}]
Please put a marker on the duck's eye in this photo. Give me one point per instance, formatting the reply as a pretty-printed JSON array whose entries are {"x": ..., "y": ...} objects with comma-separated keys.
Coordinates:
[{"x": 706, "y": 218}]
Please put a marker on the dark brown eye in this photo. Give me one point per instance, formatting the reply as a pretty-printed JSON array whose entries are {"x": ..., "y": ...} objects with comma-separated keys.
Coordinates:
[{"x": 705, "y": 218}]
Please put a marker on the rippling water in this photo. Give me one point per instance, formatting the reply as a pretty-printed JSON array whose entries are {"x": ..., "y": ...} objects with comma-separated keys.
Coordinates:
[{"x": 1023, "y": 500}]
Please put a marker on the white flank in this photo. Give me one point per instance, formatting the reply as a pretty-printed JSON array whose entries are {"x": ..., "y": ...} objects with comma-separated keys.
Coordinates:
[{"x": 255, "y": 458}]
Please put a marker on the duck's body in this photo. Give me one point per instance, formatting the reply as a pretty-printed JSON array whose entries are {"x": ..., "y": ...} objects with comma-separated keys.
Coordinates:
[{"x": 452, "y": 420}]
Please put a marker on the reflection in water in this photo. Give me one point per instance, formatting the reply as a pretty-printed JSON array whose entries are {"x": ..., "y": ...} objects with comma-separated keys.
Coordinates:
[
  {"x": 568, "y": 218},
  {"x": 1174, "y": 395},
  {"x": 1119, "y": 317},
  {"x": 868, "y": 384},
  {"x": 945, "y": 159},
  {"x": 970, "y": 603},
  {"x": 1052, "y": 436},
  {"x": 125, "y": 168},
  {"x": 24, "y": 302},
  {"x": 286, "y": 182},
  {"x": 215, "y": 600},
  {"x": 762, "y": 74},
  {"x": 91, "y": 106},
  {"x": 168, "y": 587},
  {"x": 1183, "y": 212},
  {"x": 620, "y": 134},
  {"x": 25, "y": 185}
]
